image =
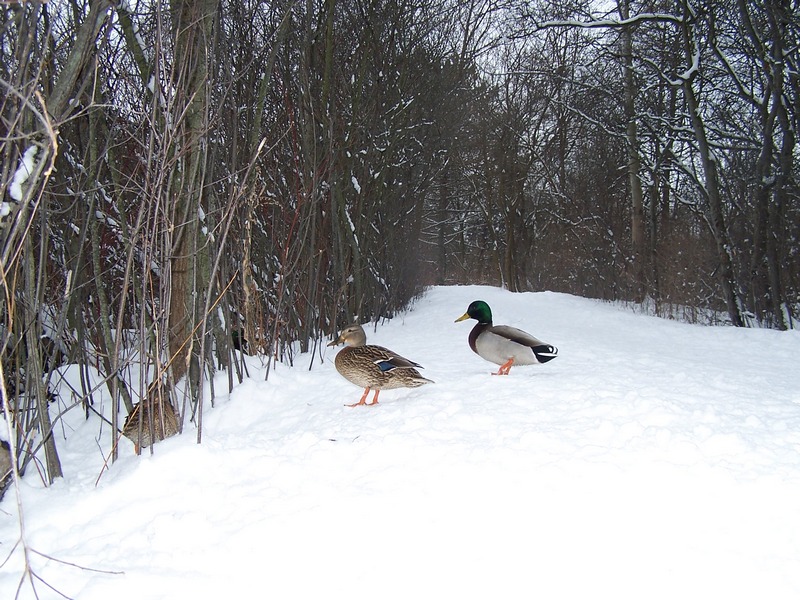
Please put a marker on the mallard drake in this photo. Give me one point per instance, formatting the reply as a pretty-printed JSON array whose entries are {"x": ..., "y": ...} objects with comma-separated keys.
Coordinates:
[
  {"x": 373, "y": 367},
  {"x": 501, "y": 344}
]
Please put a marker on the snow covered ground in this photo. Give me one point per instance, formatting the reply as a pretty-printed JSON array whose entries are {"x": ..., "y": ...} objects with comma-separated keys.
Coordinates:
[{"x": 651, "y": 459}]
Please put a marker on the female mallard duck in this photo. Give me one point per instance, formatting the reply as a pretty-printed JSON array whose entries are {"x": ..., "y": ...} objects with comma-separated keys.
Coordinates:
[
  {"x": 152, "y": 420},
  {"x": 501, "y": 344},
  {"x": 373, "y": 367}
]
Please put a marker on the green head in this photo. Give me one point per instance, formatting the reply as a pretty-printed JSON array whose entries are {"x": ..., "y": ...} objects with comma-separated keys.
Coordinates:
[{"x": 479, "y": 311}]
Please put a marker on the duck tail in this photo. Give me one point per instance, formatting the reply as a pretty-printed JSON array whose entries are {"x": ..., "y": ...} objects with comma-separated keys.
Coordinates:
[{"x": 545, "y": 352}]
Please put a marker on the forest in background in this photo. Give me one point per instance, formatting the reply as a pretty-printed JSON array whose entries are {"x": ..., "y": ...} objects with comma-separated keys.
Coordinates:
[{"x": 185, "y": 179}]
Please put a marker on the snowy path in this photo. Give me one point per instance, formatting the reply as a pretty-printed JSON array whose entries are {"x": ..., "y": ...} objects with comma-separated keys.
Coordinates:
[{"x": 651, "y": 459}]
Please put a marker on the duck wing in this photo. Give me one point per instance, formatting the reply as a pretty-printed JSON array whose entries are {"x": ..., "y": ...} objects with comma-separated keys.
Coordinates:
[
  {"x": 543, "y": 351},
  {"x": 517, "y": 335},
  {"x": 386, "y": 360}
]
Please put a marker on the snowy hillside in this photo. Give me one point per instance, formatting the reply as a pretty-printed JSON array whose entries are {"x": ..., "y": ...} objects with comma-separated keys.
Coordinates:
[{"x": 650, "y": 460}]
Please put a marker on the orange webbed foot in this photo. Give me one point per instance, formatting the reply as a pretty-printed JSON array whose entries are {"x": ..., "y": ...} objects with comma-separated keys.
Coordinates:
[
  {"x": 505, "y": 367},
  {"x": 363, "y": 401}
]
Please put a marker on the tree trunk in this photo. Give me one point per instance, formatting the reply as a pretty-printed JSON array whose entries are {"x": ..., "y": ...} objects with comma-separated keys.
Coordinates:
[
  {"x": 34, "y": 371},
  {"x": 193, "y": 22},
  {"x": 441, "y": 217},
  {"x": 716, "y": 211},
  {"x": 785, "y": 160},
  {"x": 638, "y": 241}
]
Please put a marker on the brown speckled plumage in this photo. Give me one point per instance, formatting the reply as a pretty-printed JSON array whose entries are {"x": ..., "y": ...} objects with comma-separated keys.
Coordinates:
[
  {"x": 156, "y": 409},
  {"x": 373, "y": 367}
]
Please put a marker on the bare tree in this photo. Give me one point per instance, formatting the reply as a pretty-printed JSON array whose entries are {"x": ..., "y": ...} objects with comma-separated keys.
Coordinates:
[
  {"x": 768, "y": 35},
  {"x": 29, "y": 147}
]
